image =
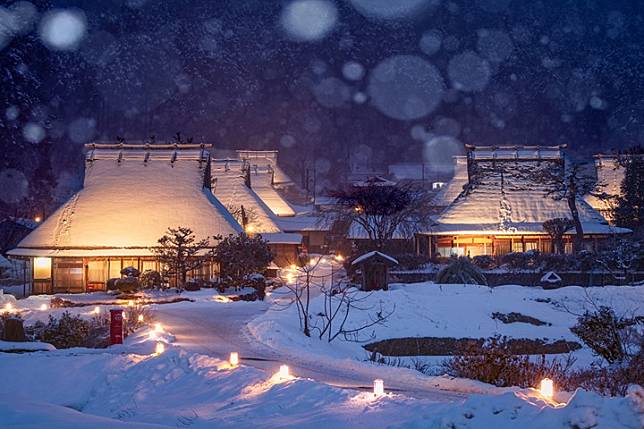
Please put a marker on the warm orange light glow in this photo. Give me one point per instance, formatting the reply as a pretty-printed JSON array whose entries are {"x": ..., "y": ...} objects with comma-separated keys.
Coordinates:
[
  {"x": 293, "y": 267},
  {"x": 42, "y": 268},
  {"x": 378, "y": 387},
  {"x": 250, "y": 229},
  {"x": 339, "y": 258},
  {"x": 43, "y": 307},
  {"x": 37, "y": 219},
  {"x": 140, "y": 318},
  {"x": 547, "y": 388},
  {"x": 130, "y": 303},
  {"x": 290, "y": 278},
  {"x": 158, "y": 327},
  {"x": 8, "y": 308},
  {"x": 284, "y": 371},
  {"x": 234, "y": 358},
  {"x": 97, "y": 310},
  {"x": 160, "y": 348}
]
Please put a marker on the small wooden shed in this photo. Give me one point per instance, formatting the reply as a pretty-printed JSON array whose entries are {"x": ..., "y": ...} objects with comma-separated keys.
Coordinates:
[{"x": 375, "y": 269}]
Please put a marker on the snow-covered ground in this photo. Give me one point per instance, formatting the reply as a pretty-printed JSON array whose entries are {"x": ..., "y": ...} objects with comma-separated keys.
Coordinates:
[
  {"x": 191, "y": 385},
  {"x": 89, "y": 389},
  {"x": 431, "y": 310}
]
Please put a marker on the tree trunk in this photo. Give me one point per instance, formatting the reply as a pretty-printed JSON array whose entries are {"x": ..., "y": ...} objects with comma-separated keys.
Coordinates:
[{"x": 579, "y": 231}]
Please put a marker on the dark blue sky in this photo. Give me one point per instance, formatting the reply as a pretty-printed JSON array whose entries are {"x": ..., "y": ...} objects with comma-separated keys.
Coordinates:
[{"x": 327, "y": 81}]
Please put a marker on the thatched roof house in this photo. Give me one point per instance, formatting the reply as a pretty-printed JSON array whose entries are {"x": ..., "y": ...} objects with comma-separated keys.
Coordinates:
[
  {"x": 130, "y": 196},
  {"x": 502, "y": 209}
]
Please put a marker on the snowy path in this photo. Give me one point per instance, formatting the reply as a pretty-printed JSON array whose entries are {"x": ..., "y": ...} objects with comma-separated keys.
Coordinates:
[{"x": 216, "y": 330}]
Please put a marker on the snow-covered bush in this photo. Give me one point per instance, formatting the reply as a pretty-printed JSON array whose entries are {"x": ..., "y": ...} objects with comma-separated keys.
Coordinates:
[
  {"x": 68, "y": 331},
  {"x": 484, "y": 262},
  {"x": 494, "y": 363},
  {"x": 605, "y": 333},
  {"x": 460, "y": 271},
  {"x": 522, "y": 260},
  {"x": 412, "y": 261},
  {"x": 611, "y": 380},
  {"x": 150, "y": 279}
]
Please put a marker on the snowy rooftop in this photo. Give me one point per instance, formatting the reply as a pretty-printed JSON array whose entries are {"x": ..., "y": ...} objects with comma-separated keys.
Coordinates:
[
  {"x": 610, "y": 175},
  {"x": 372, "y": 254},
  {"x": 454, "y": 187},
  {"x": 230, "y": 188},
  {"x": 130, "y": 196},
  {"x": 502, "y": 200},
  {"x": 261, "y": 183}
]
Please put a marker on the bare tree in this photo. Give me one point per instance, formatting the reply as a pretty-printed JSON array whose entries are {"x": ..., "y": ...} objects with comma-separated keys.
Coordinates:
[
  {"x": 556, "y": 228},
  {"x": 383, "y": 212},
  {"x": 340, "y": 300}
]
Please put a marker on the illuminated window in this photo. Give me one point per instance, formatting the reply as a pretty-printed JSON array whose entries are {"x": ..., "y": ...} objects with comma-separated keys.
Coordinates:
[
  {"x": 115, "y": 268},
  {"x": 42, "y": 268},
  {"x": 97, "y": 271}
]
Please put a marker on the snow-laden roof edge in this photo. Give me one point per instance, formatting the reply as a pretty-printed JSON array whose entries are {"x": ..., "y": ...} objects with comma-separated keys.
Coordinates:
[{"x": 368, "y": 255}]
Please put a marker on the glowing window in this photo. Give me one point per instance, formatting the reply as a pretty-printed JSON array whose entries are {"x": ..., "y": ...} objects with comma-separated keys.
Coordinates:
[{"x": 42, "y": 268}]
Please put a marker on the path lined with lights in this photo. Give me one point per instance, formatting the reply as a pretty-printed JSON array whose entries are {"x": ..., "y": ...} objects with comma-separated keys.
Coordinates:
[{"x": 218, "y": 330}]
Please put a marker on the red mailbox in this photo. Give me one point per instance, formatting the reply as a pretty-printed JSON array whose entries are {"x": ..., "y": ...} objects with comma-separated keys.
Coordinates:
[{"x": 116, "y": 326}]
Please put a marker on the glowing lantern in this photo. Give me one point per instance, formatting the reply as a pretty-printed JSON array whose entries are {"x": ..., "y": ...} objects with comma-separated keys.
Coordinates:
[
  {"x": 37, "y": 219},
  {"x": 8, "y": 308},
  {"x": 43, "y": 307},
  {"x": 339, "y": 258},
  {"x": 234, "y": 359},
  {"x": 378, "y": 387},
  {"x": 97, "y": 310},
  {"x": 130, "y": 303},
  {"x": 140, "y": 318},
  {"x": 160, "y": 348},
  {"x": 290, "y": 278},
  {"x": 250, "y": 229},
  {"x": 284, "y": 372},
  {"x": 293, "y": 267},
  {"x": 158, "y": 327},
  {"x": 547, "y": 388}
]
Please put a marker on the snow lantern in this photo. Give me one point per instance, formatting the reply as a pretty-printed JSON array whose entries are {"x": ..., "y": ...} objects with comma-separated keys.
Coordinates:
[
  {"x": 284, "y": 371},
  {"x": 160, "y": 348},
  {"x": 378, "y": 387},
  {"x": 547, "y": 388},
  {"x": 234, "y": 359}
]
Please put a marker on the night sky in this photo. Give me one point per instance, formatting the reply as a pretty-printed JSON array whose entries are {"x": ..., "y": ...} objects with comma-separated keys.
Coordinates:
[{"x": 327, "y": 82}]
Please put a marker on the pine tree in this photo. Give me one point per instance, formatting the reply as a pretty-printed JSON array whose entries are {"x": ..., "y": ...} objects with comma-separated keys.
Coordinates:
[
  {"x": 181, "y": 252},
  {"x": 629, "y": 210}
]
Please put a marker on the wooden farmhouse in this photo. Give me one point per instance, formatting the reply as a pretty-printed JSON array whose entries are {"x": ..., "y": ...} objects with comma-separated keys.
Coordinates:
[
  {"x": 501, "y": 210},
  {"x": 131, "y": 194}
]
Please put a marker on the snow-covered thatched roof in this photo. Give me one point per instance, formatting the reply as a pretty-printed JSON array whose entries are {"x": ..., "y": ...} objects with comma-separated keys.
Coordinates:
[
  {"x": 454, "y": 187},
  {"x": 610, "y": 174},
  {"x": 261, "y": 183},
  {"x": 230, "y": 188},
  {"x": 265, "y": 160},
  {"x": 130, "y": 196},
  {"x": 501, "y": 199}
]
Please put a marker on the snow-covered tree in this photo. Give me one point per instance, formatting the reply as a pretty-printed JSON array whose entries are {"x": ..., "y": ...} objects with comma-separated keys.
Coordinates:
[{"x": 242, "y": 255}]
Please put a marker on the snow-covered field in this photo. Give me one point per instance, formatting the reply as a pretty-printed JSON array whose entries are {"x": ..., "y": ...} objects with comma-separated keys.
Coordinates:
[
  {"x": 131, "y": 386},
  {"x": 431, "y": 310}
]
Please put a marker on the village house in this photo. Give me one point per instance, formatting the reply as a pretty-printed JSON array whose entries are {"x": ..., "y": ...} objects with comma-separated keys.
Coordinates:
[
  {"x": 501, "y": 210},
  {"x": 130, "y": 196},
  {"x": 232, "y": 185}
]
